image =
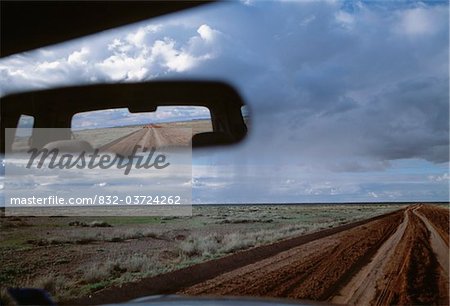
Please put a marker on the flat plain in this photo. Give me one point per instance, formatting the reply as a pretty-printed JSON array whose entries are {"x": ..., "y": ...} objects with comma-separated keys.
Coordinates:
[{"x": 78, "y": 257}]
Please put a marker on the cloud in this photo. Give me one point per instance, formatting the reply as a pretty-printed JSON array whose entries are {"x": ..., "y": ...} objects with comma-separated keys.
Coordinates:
[
  {"x": 207, "y": 33},
  {"x": 345, "y": 19},
  {"x": 48, "y": 65},
  {"x": 78, "y": 57},
  {"x": 119, "y": 67},
  {"x": 145, "y": 52},
  {"x": 373, "y": 194},
  {"x": 419, "y": 21},
  {"x": 440, "y": 178},
  {"x": 171, "y": 58}
]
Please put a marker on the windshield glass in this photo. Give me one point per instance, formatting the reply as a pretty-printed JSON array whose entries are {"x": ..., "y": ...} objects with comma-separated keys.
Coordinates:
[{"x": 348, "y": 102}]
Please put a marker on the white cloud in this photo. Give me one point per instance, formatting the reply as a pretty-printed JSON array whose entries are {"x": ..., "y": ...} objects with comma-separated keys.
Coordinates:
[
  {"x": 172, "y": 58},
  {"x": 373, "y": 194},
  {"x": 247, "y": 2},
  {"x": 439, "y": 178},
  {"x": 48, "y": 65},
  {"x": 345, "y": 19},
  {"x": 137, "y": 38},
  {"x": 78, "y": 57},
  {"x": 207, "y": 33},
  {"x": 417, "y": 21},
  {"x": 121, "y": 67},
  {"x": 145, "y": 52},
  {"x": 118, "y": 46}
]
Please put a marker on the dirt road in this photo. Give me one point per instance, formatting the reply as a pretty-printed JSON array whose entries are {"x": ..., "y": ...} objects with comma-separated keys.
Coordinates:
[
  {"x": 410, "y": 268},
  {"x": 314, "y": 271},
  {"x": 399, "y": 258},
  {"x": 395, "y": 260}
]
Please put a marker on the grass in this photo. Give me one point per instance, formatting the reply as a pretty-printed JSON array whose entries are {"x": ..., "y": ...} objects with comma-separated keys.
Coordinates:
[
  {"x": 216, "y": 244},
  {"x": 58, "y": 286},
  {"x": 87, "y": 237},
  {"x": 9, "y": 273},
  {"x": 95, "y": 223},
  {"x": 118, "y": 270},
  {"x": 18, "y": 242},
  {"x": 10, "y": 224},
  {"x": 97, "y": 286},
  {"x": 134, "y": 220}
]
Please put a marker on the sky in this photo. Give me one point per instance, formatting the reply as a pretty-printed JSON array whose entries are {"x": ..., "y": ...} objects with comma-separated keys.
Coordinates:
[{"x": 349, "y": 99}]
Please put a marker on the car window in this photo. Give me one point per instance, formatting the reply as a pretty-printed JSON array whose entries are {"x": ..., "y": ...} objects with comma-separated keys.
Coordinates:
[{"x": 339, "y": 193}]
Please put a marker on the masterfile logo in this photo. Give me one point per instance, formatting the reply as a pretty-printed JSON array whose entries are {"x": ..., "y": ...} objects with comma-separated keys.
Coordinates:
[
  {"x": 56, "y": 159},
  {"x": 140, "y": 173}
]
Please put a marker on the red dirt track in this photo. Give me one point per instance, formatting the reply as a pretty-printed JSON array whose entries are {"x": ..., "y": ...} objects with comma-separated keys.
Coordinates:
[{"x": 398, "y": 258}]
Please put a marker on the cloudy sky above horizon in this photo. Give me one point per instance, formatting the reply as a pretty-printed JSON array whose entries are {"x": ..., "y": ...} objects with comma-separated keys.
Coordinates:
[{"x": 349, "y": 99}]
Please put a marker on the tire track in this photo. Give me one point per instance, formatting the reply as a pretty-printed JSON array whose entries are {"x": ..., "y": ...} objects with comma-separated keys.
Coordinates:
[
  {"x": 411, "y": 267},
  {"x": 361, "y": 289},
  {"x": 441, "y": 251},
  {"x": 299, "y": 275},
  {"x": 439, "y": 246}
]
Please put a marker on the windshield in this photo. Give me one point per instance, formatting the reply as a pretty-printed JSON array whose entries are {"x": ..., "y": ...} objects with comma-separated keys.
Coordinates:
[{"x": 349, "y": 105}]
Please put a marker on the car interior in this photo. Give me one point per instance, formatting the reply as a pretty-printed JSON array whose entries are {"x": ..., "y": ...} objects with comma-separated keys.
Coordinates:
[{"x": 376, "y": 249}]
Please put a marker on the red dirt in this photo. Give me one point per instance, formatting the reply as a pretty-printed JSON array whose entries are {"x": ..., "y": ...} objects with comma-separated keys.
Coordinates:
[
  {"x": 312, "y": 271},
  {"x": 407, "y": 270},
  {"x": 440, "y": 249},
  {"x": 439, "y": 216},
  {"x": 410, "y": 276}
]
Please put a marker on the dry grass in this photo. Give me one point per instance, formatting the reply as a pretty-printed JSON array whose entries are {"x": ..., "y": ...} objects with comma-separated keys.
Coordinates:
[
  {"x": 201, "y": 245},
  {"x": 57, "y": 285},
  {"x": 95, "y": 223},
  {"x": 86, "y": 237},
  {"x": 10, "y": 223},
  {"x": 122, "y": 267},
  {"x": 216, "y": 244}
]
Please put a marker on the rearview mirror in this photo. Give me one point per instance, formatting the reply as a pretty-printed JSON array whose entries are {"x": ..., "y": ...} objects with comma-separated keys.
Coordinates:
[{"x": 55, "y": 108}]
